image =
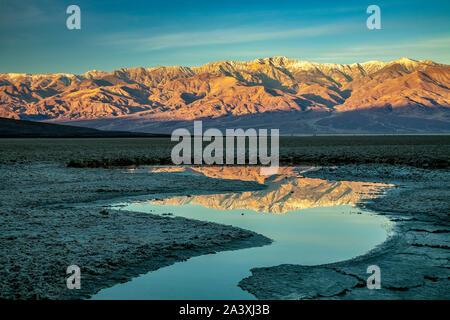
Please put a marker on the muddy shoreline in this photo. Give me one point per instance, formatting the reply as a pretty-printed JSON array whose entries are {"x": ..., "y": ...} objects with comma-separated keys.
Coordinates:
[{"x": 414, "y": 261}]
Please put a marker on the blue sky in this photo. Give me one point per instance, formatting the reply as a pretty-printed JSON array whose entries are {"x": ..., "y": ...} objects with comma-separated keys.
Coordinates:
[{"x": 115, "y": 34}]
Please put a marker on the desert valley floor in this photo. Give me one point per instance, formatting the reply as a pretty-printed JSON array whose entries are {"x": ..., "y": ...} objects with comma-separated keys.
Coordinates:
[{"x": 56, "y": 197}]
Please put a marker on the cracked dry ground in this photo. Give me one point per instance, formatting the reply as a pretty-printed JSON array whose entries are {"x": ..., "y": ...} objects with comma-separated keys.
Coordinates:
[
  {"x": 43, "y": 231},
  {"x": 414, "y": 262}
]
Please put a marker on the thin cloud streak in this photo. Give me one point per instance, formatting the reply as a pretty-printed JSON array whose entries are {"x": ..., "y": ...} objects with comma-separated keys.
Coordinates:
[
  {"x": 221, "y": 36},
  {"x": 398, "y": 49}
]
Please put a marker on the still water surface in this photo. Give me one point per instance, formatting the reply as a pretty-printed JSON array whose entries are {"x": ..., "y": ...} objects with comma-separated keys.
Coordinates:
[{"x": 312, "y": 235}]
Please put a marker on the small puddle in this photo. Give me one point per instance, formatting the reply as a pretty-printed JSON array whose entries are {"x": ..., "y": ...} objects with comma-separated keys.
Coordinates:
[{"x": 311, "y": 221}]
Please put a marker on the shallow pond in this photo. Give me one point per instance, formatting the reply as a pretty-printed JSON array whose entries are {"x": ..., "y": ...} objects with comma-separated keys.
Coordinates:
[{"x": 310, "y": 221}]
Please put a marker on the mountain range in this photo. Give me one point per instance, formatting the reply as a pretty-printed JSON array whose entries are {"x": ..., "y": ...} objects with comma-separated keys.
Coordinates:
[{"x": 402, "y": 96}]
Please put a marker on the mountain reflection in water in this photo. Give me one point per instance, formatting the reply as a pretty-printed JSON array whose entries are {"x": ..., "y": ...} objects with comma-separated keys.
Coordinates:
[
  {"x": 286, "y": 191},
  {"x": 319, "y": 225}
]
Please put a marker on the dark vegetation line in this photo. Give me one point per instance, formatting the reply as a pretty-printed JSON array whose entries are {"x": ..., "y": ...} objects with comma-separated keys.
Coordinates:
[
  {"x": 284, "y": 161},
  {"x": 428, "y": 152}
]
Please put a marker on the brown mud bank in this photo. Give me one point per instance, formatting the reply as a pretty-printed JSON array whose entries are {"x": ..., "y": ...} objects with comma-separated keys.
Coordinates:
[{"x": 414, "y": 262}]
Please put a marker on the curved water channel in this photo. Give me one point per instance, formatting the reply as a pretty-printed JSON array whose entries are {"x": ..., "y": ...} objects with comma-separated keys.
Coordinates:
[{"x": 311, "y": 222}]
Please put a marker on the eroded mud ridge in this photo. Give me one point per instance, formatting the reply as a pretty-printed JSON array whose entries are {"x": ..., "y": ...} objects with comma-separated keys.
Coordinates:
[
  {"x": 414, "y": 262},
  {"x": 42, "y": 231}
]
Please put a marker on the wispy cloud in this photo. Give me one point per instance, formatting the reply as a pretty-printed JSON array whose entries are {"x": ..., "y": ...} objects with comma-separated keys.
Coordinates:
[
  {"x": 219, "y": 36},
  {"x": 400, "y": 49},
  {"x": 22, "y": 13}
]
